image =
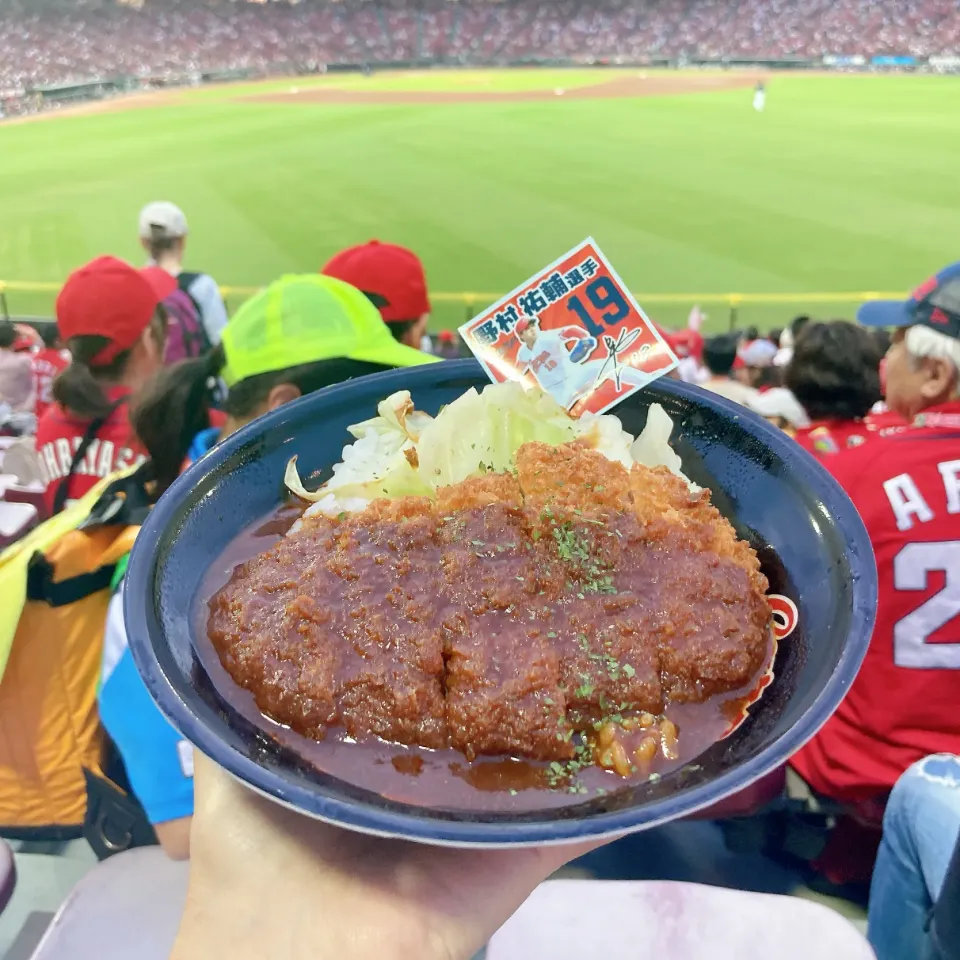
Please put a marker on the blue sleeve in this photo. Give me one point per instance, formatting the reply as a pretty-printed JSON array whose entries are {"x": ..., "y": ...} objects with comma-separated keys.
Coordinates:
[
  {"x": 213, "y": 312},
  {"x": 159, "y": 761}
]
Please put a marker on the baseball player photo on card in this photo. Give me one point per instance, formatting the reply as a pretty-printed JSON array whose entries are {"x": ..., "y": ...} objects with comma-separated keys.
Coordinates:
[{"x": 576, "y": 331}]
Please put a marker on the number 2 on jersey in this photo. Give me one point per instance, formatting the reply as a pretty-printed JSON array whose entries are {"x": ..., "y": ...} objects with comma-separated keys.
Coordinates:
[{"x": 910, "y": 568}]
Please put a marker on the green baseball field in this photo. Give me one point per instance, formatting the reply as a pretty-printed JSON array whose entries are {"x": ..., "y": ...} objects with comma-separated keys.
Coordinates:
[{"x": 842, "y": 186}]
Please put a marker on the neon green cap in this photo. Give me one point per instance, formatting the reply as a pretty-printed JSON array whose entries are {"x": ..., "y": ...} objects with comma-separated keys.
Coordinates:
[{"x": 302, "y": 319}]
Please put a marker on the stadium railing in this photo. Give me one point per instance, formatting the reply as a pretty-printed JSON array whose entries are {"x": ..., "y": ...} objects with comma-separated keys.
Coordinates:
[{"x": 473, "y": 302}]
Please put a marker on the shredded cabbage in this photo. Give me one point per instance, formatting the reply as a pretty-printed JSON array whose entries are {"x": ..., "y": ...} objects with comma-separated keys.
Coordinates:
[
  {"x": 652, "y": 448},
  {"x": 405, "y": 452},
  {"x": 482, "y": 431}
]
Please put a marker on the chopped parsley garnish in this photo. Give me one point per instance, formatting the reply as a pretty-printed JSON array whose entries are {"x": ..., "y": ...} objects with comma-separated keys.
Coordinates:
[{"x": 569, "y": 546}]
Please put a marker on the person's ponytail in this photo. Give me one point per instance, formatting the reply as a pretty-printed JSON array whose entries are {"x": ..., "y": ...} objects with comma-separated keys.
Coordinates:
[
  {"x": 77, "y": 388},
  {"x": 172, "y": 409}
]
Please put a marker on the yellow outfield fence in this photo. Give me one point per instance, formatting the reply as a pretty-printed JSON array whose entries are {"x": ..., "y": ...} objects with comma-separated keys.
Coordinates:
[{"x": 474, "y": 301}]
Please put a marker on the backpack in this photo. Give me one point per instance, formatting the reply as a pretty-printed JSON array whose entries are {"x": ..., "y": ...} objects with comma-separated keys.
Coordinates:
[
  {"x": 186, "y": 336},
  {"x": 55, "y": 586}
]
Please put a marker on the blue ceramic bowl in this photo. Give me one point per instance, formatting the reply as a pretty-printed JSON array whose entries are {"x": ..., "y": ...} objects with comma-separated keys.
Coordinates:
[{"x": 810, "y": 539}]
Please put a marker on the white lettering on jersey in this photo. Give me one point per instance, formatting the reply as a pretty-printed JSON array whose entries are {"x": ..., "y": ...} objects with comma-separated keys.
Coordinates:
[
  {"x": 950, "y": 473},
  {"x": 105, "y": 466},
  {"x": 48, "y": 462},
  {"x": 89, "y": 466},
  {"x": 910, "y": 568},
  {"x": 906, "y": 501},
  {"x": 64, "y": 455}
]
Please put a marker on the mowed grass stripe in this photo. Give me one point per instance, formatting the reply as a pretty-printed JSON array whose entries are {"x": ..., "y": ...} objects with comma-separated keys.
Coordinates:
[{"x": 845, "y": 183}]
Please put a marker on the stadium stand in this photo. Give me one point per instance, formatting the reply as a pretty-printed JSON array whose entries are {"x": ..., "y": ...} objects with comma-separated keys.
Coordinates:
[
  {"x": 45, "y": 44},
  {"x": 50, "y": 46}
]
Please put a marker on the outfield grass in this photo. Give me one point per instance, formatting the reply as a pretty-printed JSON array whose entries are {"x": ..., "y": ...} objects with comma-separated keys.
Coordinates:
[{"x": 846, "y": 183}]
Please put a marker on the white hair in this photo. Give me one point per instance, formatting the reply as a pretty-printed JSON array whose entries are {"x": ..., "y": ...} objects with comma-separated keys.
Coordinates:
[{"x": 926, "y": 343}]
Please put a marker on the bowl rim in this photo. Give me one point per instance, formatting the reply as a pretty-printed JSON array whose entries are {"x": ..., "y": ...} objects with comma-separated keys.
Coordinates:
[{"x": 144, "y": 627}]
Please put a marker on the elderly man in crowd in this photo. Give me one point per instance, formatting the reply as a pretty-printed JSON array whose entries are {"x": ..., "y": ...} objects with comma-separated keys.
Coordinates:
[{"x": 906, "y": 486}]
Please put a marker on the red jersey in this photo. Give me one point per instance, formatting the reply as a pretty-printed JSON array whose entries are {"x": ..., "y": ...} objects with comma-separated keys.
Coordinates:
[
  {"x": 903, "y": 703},
  {"x": 47, "y": 363},
  {"x": 59, "y": 434},
  {"x": 825, "y": 437},
  {"x": 884, "y": 421}
]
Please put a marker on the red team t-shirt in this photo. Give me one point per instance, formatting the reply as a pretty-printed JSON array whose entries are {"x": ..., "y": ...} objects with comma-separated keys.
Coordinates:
[
  {"x": 59, "y": 435},
  {"x": 826, "y": 437},
  {"x": 831, "y": 436},
  {"x": 903, "y": 704},
  {"x": 47, "y": 363}
]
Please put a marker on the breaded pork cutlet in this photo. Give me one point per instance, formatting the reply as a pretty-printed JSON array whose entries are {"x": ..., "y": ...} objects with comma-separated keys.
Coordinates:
[{"x": 501, "y": 618}]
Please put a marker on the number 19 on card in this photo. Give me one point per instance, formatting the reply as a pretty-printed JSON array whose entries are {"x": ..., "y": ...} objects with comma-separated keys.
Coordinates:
[{"x": 606, "y": 299}]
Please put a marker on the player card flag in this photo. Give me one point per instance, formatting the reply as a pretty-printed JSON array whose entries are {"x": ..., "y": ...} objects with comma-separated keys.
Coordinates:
[{"x": 574, "y": 329}]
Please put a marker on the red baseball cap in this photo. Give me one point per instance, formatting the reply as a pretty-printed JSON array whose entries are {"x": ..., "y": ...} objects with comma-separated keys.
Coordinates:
[
  {"x": 27, "y": 338},
  {"x": 393, "y": 275},
  {"x": 686, "y": 343},
  {"x": 109, "y": 298}
]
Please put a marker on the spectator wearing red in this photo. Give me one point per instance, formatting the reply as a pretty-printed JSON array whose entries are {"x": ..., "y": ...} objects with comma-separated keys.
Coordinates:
[
  {"x": 835, "y": 375},
  {"x": 687, "y": 346},
  {"x": 27, "y": 340},
  {"x": 107, "y": 313},
  {"x": 16, "y": 380},
  {"x": 393, "y": 279},
  {"x": 49, "y": 361},
  {"x": 447, "y": 346},
  {"x": 906, "y": 486}
]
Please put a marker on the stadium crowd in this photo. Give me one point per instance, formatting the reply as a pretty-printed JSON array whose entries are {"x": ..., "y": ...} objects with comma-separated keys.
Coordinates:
[
  {"x": 143, "y": 368},
  {"x": 44, "y": 46}
]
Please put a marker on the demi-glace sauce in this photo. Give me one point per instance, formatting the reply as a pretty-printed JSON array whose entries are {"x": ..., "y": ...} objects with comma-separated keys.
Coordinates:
[{"x": 444, "y": 778}]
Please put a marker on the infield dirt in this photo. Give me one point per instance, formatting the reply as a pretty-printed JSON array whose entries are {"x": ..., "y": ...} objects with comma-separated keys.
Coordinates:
[{"x": 641, "y": 85}]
